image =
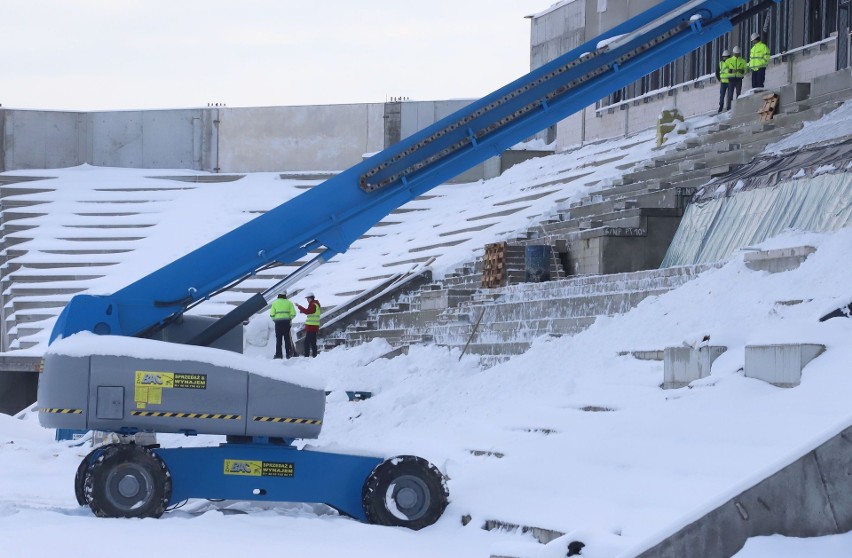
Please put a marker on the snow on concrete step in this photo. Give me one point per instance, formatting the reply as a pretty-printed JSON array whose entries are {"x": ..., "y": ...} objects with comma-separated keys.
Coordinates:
[
  {"x": 202, "y": 178},
  {"x": 540, "y": 534},
  {"x": 487, "y": 453}
]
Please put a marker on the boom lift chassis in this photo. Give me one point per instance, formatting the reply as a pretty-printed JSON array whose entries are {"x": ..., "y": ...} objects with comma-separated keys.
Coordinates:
[
  {"x": 262, "y": 416},
  {"x": 128, "y": 480}
]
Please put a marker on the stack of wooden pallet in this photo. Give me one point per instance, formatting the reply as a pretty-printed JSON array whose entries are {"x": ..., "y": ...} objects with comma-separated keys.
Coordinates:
[
  {"x": 770, "y": 105},
  {"x": 494, "y": 265}
]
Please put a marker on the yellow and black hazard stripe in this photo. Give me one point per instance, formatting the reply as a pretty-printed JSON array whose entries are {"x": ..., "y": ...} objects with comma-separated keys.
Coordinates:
[
  {"x": 168, "y": 414},
  {"x": 287, "y": 420},
  {"x": 61, "y": 411}
]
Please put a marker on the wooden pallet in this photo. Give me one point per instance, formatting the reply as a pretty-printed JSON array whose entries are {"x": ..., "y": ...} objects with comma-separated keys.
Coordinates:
[
  {"x": 770, "y": 105},
  {"x": 494, "y": 265}
]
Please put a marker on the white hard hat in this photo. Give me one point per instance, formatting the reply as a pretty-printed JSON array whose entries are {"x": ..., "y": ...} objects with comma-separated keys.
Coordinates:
[
  {"x": 726, "y": 53},
  {"x": 737, "y": 50},
  {"x": 309, "y": 294},
  {"x": 755, "y": 36}
]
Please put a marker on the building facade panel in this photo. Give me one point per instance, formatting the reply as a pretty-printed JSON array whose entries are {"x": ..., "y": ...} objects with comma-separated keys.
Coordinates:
[{"x": 787, "y": 27}]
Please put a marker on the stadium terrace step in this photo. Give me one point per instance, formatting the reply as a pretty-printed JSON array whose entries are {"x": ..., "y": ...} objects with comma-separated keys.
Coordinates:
[
  {"x": 43, "y": 314},
  {"x": 21, "y": 276},
  {"x": 102, "y": 238},
  {"x": 561, "y": 181},
  {"x": 457, "y": 334},
  {"x": 394, "y": 337},
  {"x": 646, "y": 194},
  {"x": 7, "y": 216},
  {"x": 101, "y": 225},
  {"x": 22, "y": 263},
  {"x": 503, "y": 213},
  {"x": 308, "y": 175},
  {"x": 43, "y": 289},
  {"x": 795, "y": 108},
  {"x": 525, "y": 312},
  {"x": 12, "y": 185},
  {"x": 656, "y": 355},
  {"x": 690, "y": 164},
  {"x": 497, "y": 349},
  {"x": 202, "y": 178},
  {"x": 416, "y": 338},
  {"x": 19, "y": 304},
  {"x": 18, "y": 202},
  {"x": 10, "y": 229},
  {"x": 691, "y": 143},
  {"x": 76, "y": 252},
  {"x": 408, "y": 319},
  {"x": 543, "y": 536},
  {"x": 23, "y": 331}
]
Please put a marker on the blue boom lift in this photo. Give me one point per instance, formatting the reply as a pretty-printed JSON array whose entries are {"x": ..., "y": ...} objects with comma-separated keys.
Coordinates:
[{"x": 112, "y": 389}]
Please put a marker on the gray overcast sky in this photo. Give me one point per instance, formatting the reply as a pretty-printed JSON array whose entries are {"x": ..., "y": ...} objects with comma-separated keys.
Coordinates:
[{"x": 127, "y": 54}]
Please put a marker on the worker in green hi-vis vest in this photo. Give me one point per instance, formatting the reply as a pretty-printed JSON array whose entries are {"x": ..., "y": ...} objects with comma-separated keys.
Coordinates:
[
  {"x": 736, "y": 67},
  {"x": 282, "y": 313},
  {"x": 722, "y": 76},
  {"x": 758, "y": 60}
]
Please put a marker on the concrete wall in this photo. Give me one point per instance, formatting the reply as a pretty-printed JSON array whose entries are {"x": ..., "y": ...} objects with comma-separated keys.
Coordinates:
[
  {"x": 41, "y": 139},
  {"x": 556, "y": 32},
  {"x": 561, "y": 29},
  {"x": 151, "y": 139},
  {"x": 415, "y": 116},
  {"x": 808, "y": 498},
  {"x": 606, "y": 14},
  {"x": 227, "y": 140},
  {"x": 304, "y": 138},
  {"x": 691, "y": 99},
  {"x": 140, "y": 139}
]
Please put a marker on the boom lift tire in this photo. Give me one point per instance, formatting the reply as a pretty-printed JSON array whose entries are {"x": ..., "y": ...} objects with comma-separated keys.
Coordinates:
[
  {"x": 405, "y": 491},
  {"x": 80, "y": 479},
  {"x": 127, "y": 480}
]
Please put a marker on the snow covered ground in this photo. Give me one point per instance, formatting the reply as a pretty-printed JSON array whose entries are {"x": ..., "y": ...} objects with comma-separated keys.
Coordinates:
[
  {"x": 153, "y": 221},
  {"x": 570, "y": 436},
  {"x": 645, "y": 462}
]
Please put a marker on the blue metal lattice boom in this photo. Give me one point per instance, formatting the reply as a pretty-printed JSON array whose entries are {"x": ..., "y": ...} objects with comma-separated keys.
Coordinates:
[{"x": 332, "y": 215}]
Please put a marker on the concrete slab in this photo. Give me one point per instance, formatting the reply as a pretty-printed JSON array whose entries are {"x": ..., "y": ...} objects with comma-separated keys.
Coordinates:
[
  {"x": 807, "y": 498},
  {"x": 684, "y": 365},
  {"x": 780, "y": 365},
  {"x": 777, "y": 261}
]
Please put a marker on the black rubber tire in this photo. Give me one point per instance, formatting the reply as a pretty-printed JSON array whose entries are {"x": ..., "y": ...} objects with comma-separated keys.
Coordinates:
[
  {"x": 405, "y": 491},
  {"x": 80, "y": 479},
  {"x": 128, "y": 481}
]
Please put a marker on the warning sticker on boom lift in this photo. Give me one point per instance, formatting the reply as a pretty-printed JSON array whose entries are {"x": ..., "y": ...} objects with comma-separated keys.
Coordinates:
[
  {"x": 149, "y": 386},
  {"x": 258, "y": 468}
]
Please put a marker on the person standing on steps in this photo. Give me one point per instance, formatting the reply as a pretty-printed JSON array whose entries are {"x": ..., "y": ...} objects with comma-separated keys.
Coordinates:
[
  {"x": 282, "y": 313},
  {"x": 722, "y": 76},
  {"x": 758, "y": 60},
  {"x": 736, "y": 67},
  {"x": 312, "y": 324}
]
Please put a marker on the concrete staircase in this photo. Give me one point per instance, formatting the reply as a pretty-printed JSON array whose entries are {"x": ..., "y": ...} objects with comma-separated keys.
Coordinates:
[
  {"x": 618, "y": 224},
  {"x": 499, "y": 323},
  {"x": 52, "y": 249},
  {"x": 612, "y": 239}
]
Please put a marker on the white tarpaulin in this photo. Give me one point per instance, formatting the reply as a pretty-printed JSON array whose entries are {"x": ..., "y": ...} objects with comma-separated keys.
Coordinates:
[{"x": 712, "y": 229}]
